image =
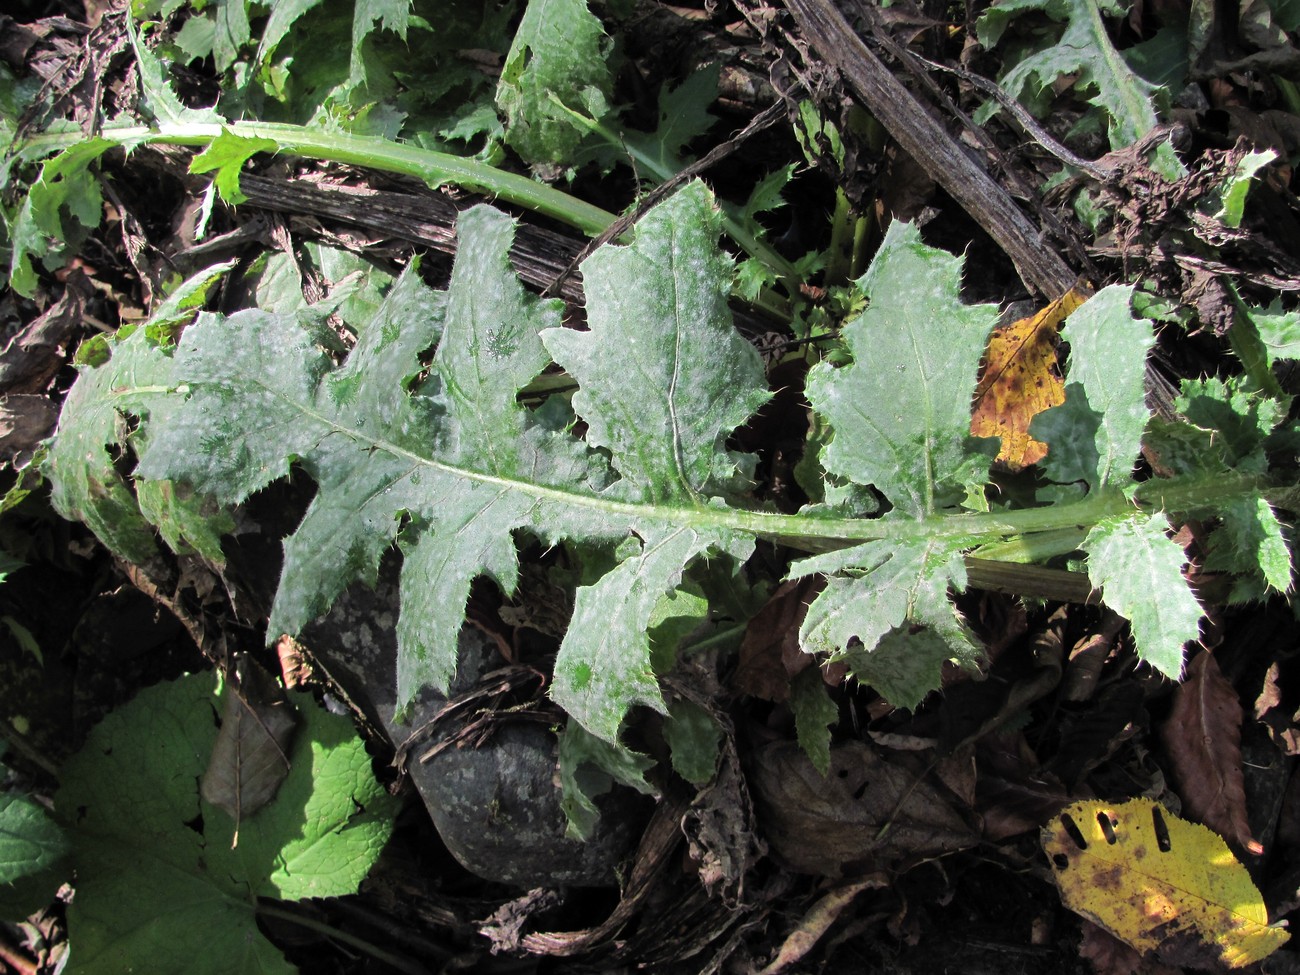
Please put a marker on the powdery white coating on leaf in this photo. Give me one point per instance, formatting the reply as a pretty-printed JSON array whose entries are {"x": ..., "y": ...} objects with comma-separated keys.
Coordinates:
[
  {"x": 898, "y": 610},
  {"x": 462, "y": 464},
  {"x": 1139, "y": 570},
  {"x": 85, "y": 484},
  {"x": 1108, "y": 350},
  {"x": 603, "y": 666},
  {"x": 664, "y": 376},
  {"x": 901, "y": 411},
  {"x": 558, "y": 53}
]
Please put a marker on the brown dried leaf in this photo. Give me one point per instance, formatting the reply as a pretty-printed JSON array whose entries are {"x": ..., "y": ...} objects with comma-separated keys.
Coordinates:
[
  {"x": 25, "y": 420},
  {"x": 769, "y": 651},
  {"x": 1202, "y": 736},
  {"x": 836, "y": 825},
  {"x": 30, "y": 359},
  {"x": 1273, "y": 709},
  {"x": 721, "y": 834},
  {"x": 1013, "y": 795},
  {"x": 818, "y": 920},
  {"x": 250, "y": 756}
]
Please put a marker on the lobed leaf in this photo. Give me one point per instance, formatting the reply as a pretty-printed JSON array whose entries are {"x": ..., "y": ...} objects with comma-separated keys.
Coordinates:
[
  {"x": 81, "y": 465},
  {"x": 815, "y": 713},
  {"x": 462, "y": 465},
  {"x": 1097, "y": 434},
  {"x": 1083, "y": 52},
  {"x": 901, "y": 411},
  {"x": 589, "y": 767},
  {"x": 558, "y": 55},
  {"x": 1139, "y": 570},
  {"x": 891, "y": 619}
]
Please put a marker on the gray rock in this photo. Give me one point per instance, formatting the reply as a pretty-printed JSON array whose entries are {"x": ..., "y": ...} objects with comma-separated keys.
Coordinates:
[{"x": 497, "y": 806}]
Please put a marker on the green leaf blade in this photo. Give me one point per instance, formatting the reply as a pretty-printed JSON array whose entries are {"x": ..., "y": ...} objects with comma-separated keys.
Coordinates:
[
  {"x": 1139, "y": 570},
  {"x": 901, "y": 411},
  {"x": 664, "y": 376},
  {"x": 1108, "y": 350},
  {"x": 1085, "y": 52},
  {"x": 226, "y": 155},
  {"x": 85, "y": 481},
  {"x": 604, "y": 665},
  {"x": 892, "y": 621},
  {"x": 558, "y": 54},
  {"x": 151, "y": 886},
  {"x": 29, "y": 840}
]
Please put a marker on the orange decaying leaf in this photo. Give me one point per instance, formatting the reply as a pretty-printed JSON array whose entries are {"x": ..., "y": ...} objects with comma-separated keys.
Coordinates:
[{"x": 1019, "y": 380}]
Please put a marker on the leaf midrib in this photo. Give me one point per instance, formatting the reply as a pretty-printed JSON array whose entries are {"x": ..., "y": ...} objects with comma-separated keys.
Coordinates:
[{"x": 1175, "y": 495}]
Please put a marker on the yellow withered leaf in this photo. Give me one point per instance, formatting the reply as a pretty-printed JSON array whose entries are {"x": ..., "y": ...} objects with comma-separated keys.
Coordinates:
[
  {"x": 1159, "y": 883},
  {"x": 1019, "y": 380}
]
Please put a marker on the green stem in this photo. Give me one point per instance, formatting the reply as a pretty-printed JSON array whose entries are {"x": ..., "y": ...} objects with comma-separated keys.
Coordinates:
[
  {"x": 434, "y": 168},
  {"x": 1290, "y": 93},
  {"x": 1185, "y": 495},
  {"x": 399, "y": 962},
  {"x": 839, "y": 260}
]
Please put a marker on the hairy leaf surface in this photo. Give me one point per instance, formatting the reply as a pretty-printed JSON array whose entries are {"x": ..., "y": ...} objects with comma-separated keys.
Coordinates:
[
  {"x": 890, "y": 618},
  {"x": 434, "y": 450},
  {"x": 1108, "y": 349},
  {"x": 901, "y": 410},
  {"x": 463, "y": 465},
  {"x": 558, "y": 54},
  {"x": 1139, "y": 569}
]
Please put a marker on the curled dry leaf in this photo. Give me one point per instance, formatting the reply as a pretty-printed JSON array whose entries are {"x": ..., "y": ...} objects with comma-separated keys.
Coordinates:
[
  {"x": 1202, "y": 736},
  {"x": 1275, "y": 709},
  {"x": 769, "y": 651},
  {"x": 871, "y": 810},
  {"x": 818, "y": 920}
]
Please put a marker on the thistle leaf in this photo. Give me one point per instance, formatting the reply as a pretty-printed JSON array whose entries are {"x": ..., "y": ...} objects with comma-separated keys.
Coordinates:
[
  {"x": 1139, "y": 569},
  {"x": 1098, "y": 434},
  {"x": 1083, "y": 52},
  {"x": 891, "y": 621},
  {"x": 466, "y": 466},
  {"x": 683, "y": 378},
  {"x": 901, "y": 410},
  {"x": 558, "y": 55},
  {"x": 80, "y": 464}
]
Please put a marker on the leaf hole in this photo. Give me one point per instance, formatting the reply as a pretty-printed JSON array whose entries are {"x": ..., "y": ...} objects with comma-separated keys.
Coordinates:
[
  {"x": 1107, "y": 826},
  {"x": 1060, "y": 861},
  {"x": 1162, "y": 831},
  {"x": 1072, "y": 830},
  {"x": 860, "y": 791},
  {"x": 842, "y": 773}
]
